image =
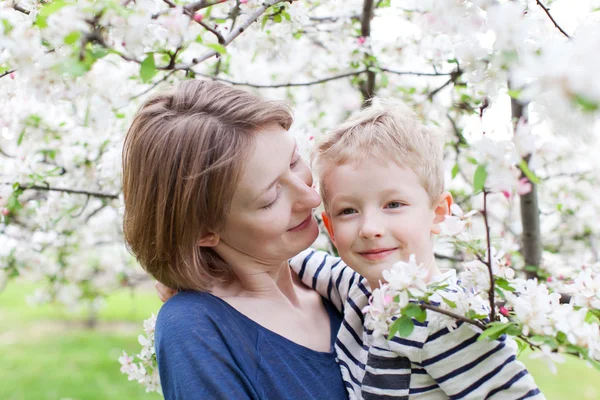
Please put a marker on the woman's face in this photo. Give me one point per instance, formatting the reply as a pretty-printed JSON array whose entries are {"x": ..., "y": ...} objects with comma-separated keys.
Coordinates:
[{"x": 271, "y": 216}]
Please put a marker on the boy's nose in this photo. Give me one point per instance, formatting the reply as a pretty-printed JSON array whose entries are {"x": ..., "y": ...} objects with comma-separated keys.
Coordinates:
[{"x": 371, "y": 229}]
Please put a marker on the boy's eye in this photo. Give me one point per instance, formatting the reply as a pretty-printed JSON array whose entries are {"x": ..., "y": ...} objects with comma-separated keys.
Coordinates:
[
  {"x": 347, "y": 211},
  {"x": 394, "y": 204}
]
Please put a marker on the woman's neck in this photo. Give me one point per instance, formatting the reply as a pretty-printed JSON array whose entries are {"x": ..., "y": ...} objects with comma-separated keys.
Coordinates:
[{"x": 275, "y": 282}]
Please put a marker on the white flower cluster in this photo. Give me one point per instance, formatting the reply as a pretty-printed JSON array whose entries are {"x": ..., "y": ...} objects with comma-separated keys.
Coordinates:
[{"x": 145, "y": 371}]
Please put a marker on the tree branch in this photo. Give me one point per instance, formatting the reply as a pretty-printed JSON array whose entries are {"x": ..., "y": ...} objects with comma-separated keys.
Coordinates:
[
  {"x": 453, "y": 78},
  {"x": 2, "y": 75},
  {"x": 450, "y": 314},
  {"x": 367, "y": 88},
  {"x": 547, "y": 11},
  {"x": 233, "y": 35},
  {"x": 20, "y": 9},
  {"x": 489, "y": 259},
  {"x": 416, "y": 73},
  {"x": 190, "y": 12},
  {"x": 282, "y": 85},
  {"x": 66, "y": 190}
]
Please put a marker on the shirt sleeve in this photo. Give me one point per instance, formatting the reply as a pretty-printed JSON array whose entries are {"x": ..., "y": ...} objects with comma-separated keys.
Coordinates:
[
  {"x": 465, "y": 367},
  {"x": 195, "y": 360},
  {"x": 326, "y": 274}
]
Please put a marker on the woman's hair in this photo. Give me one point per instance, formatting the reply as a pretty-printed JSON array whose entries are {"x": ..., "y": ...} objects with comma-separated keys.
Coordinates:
[{"x": 182, "y": 160}]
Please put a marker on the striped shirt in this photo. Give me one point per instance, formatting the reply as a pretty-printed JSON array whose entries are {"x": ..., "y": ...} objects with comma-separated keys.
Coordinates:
[{"x": 428, "y": 364}]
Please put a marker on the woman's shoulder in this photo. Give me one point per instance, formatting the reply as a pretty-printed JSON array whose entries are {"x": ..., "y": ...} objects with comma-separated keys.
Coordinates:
[{"x": 189, "y": 309}]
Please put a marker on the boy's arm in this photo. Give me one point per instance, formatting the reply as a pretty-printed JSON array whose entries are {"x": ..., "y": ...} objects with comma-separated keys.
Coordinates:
[
  {"x": 465, "y": 367},
  {"x": 326, "y": 274}
]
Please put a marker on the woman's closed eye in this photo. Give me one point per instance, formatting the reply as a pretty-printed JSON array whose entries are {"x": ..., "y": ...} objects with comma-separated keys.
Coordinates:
[{"x": 271, "y": 204}]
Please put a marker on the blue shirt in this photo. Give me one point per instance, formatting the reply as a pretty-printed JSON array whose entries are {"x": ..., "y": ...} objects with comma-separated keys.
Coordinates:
[{"x": 206, "y": 349}]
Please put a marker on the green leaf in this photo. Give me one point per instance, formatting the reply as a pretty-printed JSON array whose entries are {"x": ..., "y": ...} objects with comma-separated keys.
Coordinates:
[
  {"x": 472, "y": 160},
  {"x": 522, "y": 346},
  {"x": 530, "y": 175},
  {"x": 586, "y": 104},
  {"x": 287, "y": 16},
  {"x": 217, "y": 47},
  {"x": 264, "y": 21},
  {"x": 455, "y": 170},
  {"x": 559, "y": 207},
  {"x": 277, "y": 18},
  {"x": 514, "y": 93},
  {"x": 72, "y": 37},
  {"x": 403, "y": 326},
  {"x": 449, "y": 302},
  {"x": 479, "y": 178},
  {"x": 415, "y": 311},
  {"x": 7, "y": 27},
  {"x": 148, "y": 68},
  {"x": 21, "y": 136},
  {"x": 504, "y": 284},
  {"x": 47, "y": 10},
  {"x": 495, "y": 330}
]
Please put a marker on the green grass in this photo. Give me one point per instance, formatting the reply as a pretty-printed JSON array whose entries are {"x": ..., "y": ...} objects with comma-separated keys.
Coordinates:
[{"x": 48, "y": 354}]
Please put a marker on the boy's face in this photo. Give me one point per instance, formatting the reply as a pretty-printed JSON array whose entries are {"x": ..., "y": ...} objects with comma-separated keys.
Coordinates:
[{"x": 380, "y": 214}]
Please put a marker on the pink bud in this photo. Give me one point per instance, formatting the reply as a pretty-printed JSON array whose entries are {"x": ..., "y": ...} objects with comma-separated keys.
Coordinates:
[
  {"x": 311, "y": 138},
  {"x": 506, "y": 194},
  {"x": 362, "y": 40},
  {"x": 198, "y": 17},
  {"x": 387, "y": 299},
  {"x": 5, "y": 212},
  {"x": 123, "y": 44},
  {"x": 503, "y": 311},
  {"x": 549, "y": 279},
  {"x": 12, "y": 75},
  {"x": 243, "y": 1},
  {"x": 524, "y": 186}
]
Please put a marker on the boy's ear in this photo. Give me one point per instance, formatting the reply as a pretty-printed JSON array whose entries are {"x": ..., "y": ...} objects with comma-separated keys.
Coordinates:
[
  {"x": 328, "y": 225},
  {"x": 441, "y": 209},
  {"x": 208, "y": 240}
]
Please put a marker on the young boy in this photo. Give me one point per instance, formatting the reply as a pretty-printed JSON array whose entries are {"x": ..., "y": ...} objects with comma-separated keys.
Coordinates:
[{"x": 381, "y": 178}]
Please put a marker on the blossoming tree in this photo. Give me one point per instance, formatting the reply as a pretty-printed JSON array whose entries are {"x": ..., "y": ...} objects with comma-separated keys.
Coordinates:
[{"x": 512, "y": 82}]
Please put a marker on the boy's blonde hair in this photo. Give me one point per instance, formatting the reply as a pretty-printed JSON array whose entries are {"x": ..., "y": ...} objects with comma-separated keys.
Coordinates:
[{"x": 386, "y": 130}]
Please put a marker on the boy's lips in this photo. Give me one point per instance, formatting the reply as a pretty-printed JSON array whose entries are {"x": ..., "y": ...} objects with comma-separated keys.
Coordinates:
[{"x": 377, "y": 254}]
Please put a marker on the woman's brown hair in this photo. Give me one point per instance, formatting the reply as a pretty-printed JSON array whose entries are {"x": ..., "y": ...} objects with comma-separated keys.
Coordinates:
[{"x": 182, "y": 159}]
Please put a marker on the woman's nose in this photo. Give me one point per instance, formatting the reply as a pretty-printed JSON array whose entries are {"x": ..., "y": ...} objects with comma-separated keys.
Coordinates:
[{"x": 307, "y": 198}]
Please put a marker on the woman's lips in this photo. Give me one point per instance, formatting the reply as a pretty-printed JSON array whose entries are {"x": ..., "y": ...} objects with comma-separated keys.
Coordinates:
[
  {"x": 377, "y": 254},
  {"x": 302, "y": 225}
]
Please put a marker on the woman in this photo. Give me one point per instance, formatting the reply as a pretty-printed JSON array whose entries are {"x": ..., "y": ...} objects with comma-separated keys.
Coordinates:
[{"x": 217, "y": 199}]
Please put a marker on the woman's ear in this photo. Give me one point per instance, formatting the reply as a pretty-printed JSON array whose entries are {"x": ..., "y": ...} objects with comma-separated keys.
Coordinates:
[
  {"x": 441, "y": 209},
  {"x": 328, "y": 226},
  {"x": 208, "y": 240}
]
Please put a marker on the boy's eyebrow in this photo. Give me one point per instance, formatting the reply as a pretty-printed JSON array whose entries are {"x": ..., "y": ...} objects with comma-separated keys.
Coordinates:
[{"x": 279, "y": 176}]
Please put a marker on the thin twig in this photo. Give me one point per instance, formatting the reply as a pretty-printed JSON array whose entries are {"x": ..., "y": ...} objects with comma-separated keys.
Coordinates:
[
  {"x": 164, "y": 78},
  {"x": 66, "y": 190},
  {"x": 489, "y": 260},
  {"x": 2, "y": 75},
  {"x": 20, "y": 9},
  {"x": 233, "y": 35},
  {"x": 283, "y": 85},
  {"x": 450, "y": 314},
  {"x": 391, "y": 71},
  {"x": 449, "y": 258},
  {"x": 547, "y": 11}
]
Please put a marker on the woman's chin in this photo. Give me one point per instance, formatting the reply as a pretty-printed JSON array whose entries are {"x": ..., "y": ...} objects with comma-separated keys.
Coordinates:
[{"x": 301, "y": 240}]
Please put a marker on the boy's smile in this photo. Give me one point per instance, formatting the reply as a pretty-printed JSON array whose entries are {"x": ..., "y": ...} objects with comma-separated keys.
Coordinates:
[{"x": 378, "y": 213}]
